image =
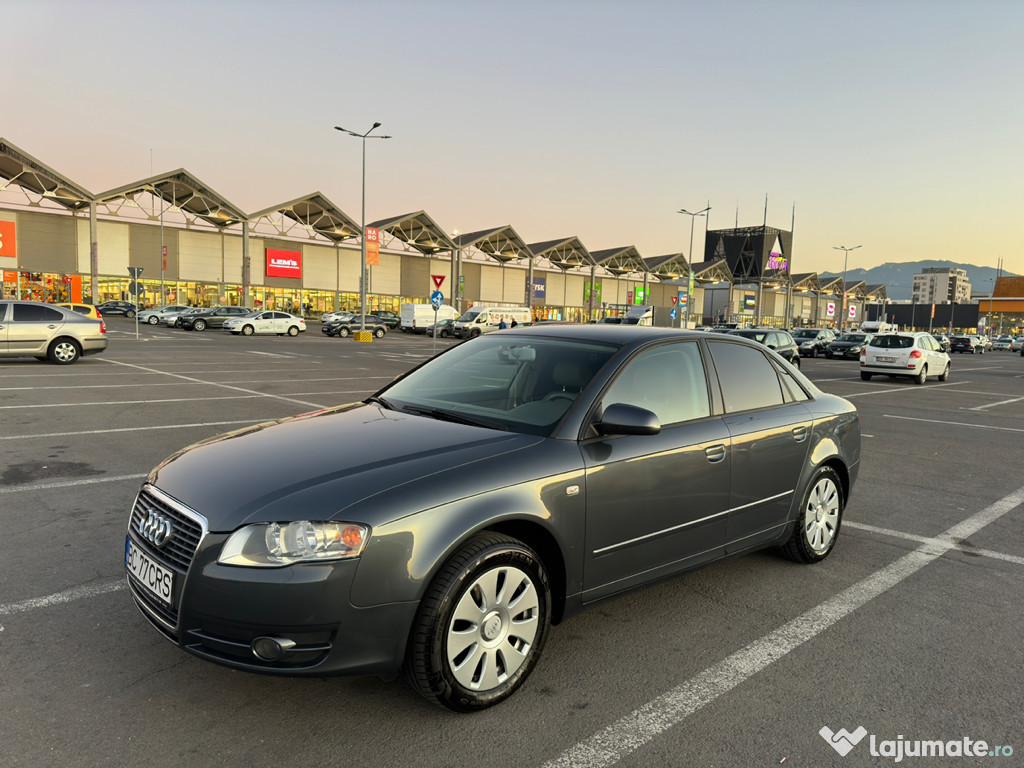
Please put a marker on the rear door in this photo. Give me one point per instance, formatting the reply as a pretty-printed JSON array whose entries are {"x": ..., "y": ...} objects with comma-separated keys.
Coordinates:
[
  {"x": 31, "y": 328},
  {"x": 3, "y": 326}
]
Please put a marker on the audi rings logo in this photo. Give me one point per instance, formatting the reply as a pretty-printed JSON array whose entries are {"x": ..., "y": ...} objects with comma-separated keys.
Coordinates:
[{"x": 156, "y": 529}]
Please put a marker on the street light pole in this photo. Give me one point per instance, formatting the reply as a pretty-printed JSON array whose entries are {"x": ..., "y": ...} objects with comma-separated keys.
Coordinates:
[
  {"x": 362, "y": 224},
  {"x": 689, "y": 265},
  {"x": 846, "y": 256}
]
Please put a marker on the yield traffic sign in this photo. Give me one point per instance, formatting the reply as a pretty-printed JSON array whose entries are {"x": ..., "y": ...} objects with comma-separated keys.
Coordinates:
[{"x": 438, "y": 281}]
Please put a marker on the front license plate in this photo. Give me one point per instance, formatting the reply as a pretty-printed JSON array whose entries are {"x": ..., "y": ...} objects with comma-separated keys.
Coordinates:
[
  {"x": 157, "y": 579},
  {"x": 886, "y": 359}
]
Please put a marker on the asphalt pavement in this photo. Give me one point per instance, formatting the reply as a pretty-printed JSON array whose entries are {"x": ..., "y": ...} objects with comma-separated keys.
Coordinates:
[{"x": 909, "y": 632}]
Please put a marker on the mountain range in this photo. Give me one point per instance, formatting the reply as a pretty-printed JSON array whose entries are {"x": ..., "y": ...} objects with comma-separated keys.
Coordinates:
[{"x": 898, "y": 277}]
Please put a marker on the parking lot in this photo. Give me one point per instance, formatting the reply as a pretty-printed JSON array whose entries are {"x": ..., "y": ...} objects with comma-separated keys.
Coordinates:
[{"x": 911, "y": 629}]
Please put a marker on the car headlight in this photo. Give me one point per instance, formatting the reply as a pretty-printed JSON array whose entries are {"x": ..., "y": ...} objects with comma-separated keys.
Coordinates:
[{"x": 269, "y": 545}]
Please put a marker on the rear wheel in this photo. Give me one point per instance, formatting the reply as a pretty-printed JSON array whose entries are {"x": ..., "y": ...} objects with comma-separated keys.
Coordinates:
[
  {"x": 481, "y": 626},
  {"x": 818, "y": 520},
  {"x": 64, "y": 351},
  {"x": 293, "y": 330},
  {"x": 922, "y": 375},
  {"x": 865, "y": 376},
  {"x": 379, "y": 333},
  {"x": 130, "y": 314}
]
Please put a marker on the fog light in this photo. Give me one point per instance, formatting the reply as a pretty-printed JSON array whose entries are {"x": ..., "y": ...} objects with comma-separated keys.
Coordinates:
[{"x": 270, "y": 648}]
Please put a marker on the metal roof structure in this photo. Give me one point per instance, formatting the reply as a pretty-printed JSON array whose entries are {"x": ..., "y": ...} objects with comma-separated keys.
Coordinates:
[
  {"x": 183, "y": 192},
  {"x": 875, "y": 292},
  {"x": 503, "y": 244},
  {"x": 715, "y": 271},
  {"x": 669, "y": 267},
  {"x": 620, "y": 261},
  {"x": 806, "y": 281},
  {"x": 833, "y": 285},
  {"x": 314, "y": 214},
  {"x": 36, "y": 179},
  {"x": 418, "y": 231},
  {"x": 566, "y": 253}
]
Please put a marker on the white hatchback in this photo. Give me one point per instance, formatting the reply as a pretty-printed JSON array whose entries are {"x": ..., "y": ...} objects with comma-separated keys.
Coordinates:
[
  {"x": 268, "y": 322},
  {"x": 916, "y": 355}
]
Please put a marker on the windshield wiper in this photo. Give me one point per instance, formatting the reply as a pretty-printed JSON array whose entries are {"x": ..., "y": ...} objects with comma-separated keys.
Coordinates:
[
  {"x": 457, "y": 418},
  {"x": 381, "y": 401}
]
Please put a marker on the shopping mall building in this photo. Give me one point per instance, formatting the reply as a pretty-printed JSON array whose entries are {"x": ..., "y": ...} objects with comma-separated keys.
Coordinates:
[{"x": 58, "y": 241}]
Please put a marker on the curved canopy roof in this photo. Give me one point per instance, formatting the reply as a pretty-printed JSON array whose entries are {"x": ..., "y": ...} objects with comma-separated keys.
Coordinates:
[
  {"x": 620, "y": 261},
  {"x": 502, "y": 243},
  {"x": 417, "y": 230},
  {"x": 23, "y": 170},
  {"x": 183, "y": 192},
  {"x": 314, "y": 213},
  {"x": 565, "y": 253}
]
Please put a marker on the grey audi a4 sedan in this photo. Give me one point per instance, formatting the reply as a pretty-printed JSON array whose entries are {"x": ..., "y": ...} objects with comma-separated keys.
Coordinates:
[{"x": 500, "y": 488}]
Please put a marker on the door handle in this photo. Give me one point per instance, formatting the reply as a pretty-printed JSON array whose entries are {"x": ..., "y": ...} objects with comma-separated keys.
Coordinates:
[
  {"x": 715, "y": 453},
  {"x": 800, "y": 434}
]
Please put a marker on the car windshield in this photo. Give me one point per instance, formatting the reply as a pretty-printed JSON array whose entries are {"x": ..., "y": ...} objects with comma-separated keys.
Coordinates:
[
  {"x": 805, "y": 333},
  {"x": 851, "y": 337},
  {"x": 893, "y": 342},
  {"x": 523, "y": 384},
  {"x": 469, "y": 316}
]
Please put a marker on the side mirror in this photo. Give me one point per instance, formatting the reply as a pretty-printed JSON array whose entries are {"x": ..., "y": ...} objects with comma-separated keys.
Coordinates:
[{"x": 622, "y": 419}]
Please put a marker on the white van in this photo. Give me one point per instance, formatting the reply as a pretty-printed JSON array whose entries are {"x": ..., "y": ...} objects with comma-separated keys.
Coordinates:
[
  {"x": 481, "y": 319},
  {"x": 877, "y": 326},
  {"x": 415, "y": 318}
]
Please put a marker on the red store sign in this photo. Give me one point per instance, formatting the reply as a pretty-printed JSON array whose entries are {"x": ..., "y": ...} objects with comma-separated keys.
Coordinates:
[{"x": 281, "y": 263}]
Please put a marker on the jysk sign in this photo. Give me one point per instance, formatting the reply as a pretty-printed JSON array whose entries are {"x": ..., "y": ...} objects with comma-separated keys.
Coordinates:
[
  {"x": 540, "y": 287},
  {"x": 281, "y": 263}
]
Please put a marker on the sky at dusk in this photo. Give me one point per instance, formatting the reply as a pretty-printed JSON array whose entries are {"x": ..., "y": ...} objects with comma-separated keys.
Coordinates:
[{"x": 897, "y": 126}]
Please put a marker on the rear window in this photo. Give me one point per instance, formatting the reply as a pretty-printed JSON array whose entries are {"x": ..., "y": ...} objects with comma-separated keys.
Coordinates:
[{"x": 893, "y": 342}]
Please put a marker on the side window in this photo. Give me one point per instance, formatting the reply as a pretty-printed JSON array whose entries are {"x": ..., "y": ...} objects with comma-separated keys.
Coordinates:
[
  {"x": 668, "y": 380},
  {"x": 34, "y": 313},
  {"x": 791, "y": 389},
  {"x": 3, "y": 310},
  {"x": 280, "y": 316},
  {"x": 748, "y": 379}
]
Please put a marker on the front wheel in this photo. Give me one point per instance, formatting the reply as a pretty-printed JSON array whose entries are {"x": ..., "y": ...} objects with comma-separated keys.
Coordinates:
[
  {"x": 343, "y": 333},
  {"x": 248, "y": 330},
  {"x": 153, "y": 320},
  {"x": 814, "y": 352},
  {"x": 481, "y": 626},
  {"x": 199, "y": 325},
  {"x": 944, "y": 376},
  {"x": 818, "y": 520}
]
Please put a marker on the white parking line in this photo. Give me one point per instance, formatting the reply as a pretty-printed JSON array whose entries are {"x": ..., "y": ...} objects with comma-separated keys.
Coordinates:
[
  {"x": 148, "y": 402},
  {"x": 7, "y": 489},
  {"x": 930, "y": 540},
  {"x": 1001, "y": 402},
  {"x": 954, "y": 423},
  {"x": 903, "y": 389},
  {"x": 636, "y": 729},
  {"x": 131, "y": 429},
  {"x": 68, "y": 595}
]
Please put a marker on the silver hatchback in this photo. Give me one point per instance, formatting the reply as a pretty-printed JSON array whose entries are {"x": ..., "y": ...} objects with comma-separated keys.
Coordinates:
[{"x": 48, "y": 332}]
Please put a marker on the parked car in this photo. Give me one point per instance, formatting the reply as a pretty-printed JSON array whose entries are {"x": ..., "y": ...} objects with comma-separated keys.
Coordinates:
[
  {"x": 83, "y": 309},
  {"x": 486, "y": 503},
  {"x": 986, "y": 340},
  {"x": 173, "y": 320},
  {"x": 214, "y": 317},
  {"x": 266, "y": 322},
  {"x": 813, "y": 341},
  {"x": 964, "y": 344},
  {"x": 156, "y": 316},
  {"x": 1002, "y": 342},
  {"x": 117, "y": 308},
  {"x": 391, "y": 320},
  {"x": 48, "y": 332},
  {"x": 780, "y": 341},
  {"x": 345, "y": 328},
  {"x": 848, "y": 346},
  {"x": 1017, "y": 344},
  {"x": 443, "y": 329},
  {"x": 943, "y": 340},
  {"x": 330, "y": 317},
  {"x": 913, "y": 354}
]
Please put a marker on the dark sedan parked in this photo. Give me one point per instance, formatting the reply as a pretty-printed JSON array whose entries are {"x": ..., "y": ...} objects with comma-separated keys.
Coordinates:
[
  {"x": 967, "y": 344},
  {"x": 345, "y": 328},
  {"x": 848, "y": 346},
  {"x": 391, "y": 320},
  {"x": 117, "y": 308},
  {"x": 780, "y": 341},
  {"x": 813, "y": 341},
  {"x": 499, "y": 488},
  {"x": 215, "y": 317}
]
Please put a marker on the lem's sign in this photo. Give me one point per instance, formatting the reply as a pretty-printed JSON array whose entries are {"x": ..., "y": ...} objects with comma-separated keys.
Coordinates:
[{"x": 281, "y": 263}]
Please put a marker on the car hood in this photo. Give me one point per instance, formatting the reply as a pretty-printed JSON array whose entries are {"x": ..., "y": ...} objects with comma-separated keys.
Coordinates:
[{"x": 317, "y": 465}]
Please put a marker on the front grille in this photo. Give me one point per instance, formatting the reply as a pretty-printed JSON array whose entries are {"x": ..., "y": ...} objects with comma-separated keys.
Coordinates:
[{"x": 188, "y": 529}]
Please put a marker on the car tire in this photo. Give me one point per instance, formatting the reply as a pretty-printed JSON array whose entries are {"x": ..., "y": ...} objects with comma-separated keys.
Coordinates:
[
  {"x": 63, "y": 351},
  {"x": 293, "y": 330},
  {"x": 819, "y": 518},
  {"x": 468, "y": 665},
  {"x": 343, "y": 333},
  {"x": 796, "y": 361},
  {"x": 248, "y": 330},
  {"x": 865, "y": 376},
  {"x": 944, "y": 376},
  {"x": 153, "y": 320},
  {"x": 129, "y": 314},
  {"x": 922, "y": 375},
  {"x": 199, "y": 325},
  {"x": 445, "y": 334},
  {"x": 475, "y": 333},
  {"x": 379, "y": 333},
  {"x": 814, "y": 352}
]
